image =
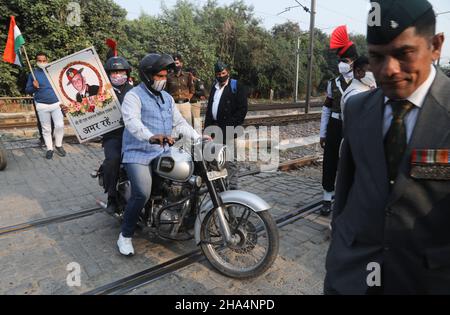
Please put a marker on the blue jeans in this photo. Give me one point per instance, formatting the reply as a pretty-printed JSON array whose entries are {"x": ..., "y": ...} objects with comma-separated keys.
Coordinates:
[{"x": 141, "y": 187}]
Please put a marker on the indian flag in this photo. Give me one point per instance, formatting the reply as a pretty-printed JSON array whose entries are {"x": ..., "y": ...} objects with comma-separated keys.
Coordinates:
[{"x": 13, "y": 44}]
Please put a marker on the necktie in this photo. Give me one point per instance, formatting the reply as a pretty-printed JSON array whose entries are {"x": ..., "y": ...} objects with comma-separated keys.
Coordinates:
[{"x": 396, "y": 141}]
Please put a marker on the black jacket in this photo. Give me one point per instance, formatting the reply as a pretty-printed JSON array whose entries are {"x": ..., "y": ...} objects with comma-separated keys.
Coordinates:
[
  {"x": 405, "y": 230},
  {"x": 91, "y": 90},
  {"x": 233, "y": 108},
  {"x": 118, "y": 133}
]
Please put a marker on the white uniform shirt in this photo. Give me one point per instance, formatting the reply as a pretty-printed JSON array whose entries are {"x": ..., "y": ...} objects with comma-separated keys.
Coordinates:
[{"x": 217, "y": 97}]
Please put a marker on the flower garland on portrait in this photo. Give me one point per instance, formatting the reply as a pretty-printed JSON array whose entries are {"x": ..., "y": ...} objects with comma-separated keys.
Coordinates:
[{"x": 89, "y": 104}]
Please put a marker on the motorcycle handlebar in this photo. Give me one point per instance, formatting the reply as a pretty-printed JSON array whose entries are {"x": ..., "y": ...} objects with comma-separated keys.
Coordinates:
[{"x": 166, "y": 141}]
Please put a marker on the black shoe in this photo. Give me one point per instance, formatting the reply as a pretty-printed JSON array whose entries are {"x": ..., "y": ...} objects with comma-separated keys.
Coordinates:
[
  {"x": 112, "y": 207},
  {"x": 326, "y": 209},
  {"x": 49, "y": 155},
  {"x": 60, "y": 151}
]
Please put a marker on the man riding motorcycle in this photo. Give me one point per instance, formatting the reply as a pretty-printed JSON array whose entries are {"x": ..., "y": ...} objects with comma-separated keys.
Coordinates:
[
  {"x": 150, "y": 116},
  {"x": 118, "y": 70}
]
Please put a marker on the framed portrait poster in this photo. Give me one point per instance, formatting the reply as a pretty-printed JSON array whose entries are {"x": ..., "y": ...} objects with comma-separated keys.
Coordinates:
[{"x": 82, "y": 85}]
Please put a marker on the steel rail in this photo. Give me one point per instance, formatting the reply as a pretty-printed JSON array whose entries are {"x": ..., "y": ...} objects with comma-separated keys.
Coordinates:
[{"x": 140, "y": 279}]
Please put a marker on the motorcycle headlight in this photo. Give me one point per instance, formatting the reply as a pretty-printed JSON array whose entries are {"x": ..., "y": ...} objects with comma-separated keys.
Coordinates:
[
  {"x": 221, "y": 159},
  {"x": 215, "y": 155},
  {"x": 196, "y": 181}
]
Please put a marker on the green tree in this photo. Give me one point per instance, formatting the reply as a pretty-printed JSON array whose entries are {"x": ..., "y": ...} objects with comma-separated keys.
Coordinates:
[
  {"x": 45, "y": 28},
  {"x": 262, "y": 59}
]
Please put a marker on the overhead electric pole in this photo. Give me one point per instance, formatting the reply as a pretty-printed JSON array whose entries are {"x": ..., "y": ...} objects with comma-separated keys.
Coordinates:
[
  {"x": 310, "y": 56},
  {"x": 298, "y": 69},
  {"x": 312, "y": 13}
]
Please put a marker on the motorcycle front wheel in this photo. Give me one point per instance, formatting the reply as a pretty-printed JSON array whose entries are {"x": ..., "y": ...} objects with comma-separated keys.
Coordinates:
[{"x": 257, "y": 242}]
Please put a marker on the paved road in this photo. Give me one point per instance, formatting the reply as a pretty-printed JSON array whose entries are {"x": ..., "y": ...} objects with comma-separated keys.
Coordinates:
[{"x": 35, "y": 261}]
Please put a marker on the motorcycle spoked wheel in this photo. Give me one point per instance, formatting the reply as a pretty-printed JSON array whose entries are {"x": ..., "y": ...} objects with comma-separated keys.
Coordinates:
[{"x": 257, "y": 233}]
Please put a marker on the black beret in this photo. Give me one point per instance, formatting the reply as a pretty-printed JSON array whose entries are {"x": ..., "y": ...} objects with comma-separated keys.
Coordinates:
[
  {"x": 389, "y": 18},
  {"x": 220, "y": 66}
]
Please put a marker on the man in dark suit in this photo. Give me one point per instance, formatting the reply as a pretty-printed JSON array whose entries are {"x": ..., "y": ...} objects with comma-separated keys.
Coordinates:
[
  {"x": 77, "y": 80},
  {"x": 390, "y": 228},
  {"x": 227, "y": 109}
]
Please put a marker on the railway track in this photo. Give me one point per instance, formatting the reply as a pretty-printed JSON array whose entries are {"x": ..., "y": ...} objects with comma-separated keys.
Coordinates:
[
  {"x": 89, "y": 212},
  {"x": 140, "y": 279},
  {"x": 256, "y": 121},
  {"x": 316, "y": 104},
  {"x": 281, "y": 120},
  {"x": 47, "y": 221},
  {"x": 30, "y": 122}
]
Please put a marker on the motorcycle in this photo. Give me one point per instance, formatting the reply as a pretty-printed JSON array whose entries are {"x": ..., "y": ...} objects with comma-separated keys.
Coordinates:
[{"x": 234, "y": 229}]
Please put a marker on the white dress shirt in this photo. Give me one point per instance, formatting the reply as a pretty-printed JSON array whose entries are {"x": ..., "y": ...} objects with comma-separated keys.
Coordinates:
[
  {"x": 83, "y": 92},
  {"x": 417, "y": 99},
  {"x": 217, "y": 97}
]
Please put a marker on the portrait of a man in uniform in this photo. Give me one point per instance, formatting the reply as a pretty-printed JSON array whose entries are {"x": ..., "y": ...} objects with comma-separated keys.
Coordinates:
[{"x": 78, "y": 81}]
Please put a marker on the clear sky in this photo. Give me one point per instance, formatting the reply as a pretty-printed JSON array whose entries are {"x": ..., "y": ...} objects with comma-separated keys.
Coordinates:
[{"x": 330, "y": 13}]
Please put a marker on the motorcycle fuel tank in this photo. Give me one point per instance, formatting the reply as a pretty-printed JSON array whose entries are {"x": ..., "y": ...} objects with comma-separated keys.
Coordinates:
[{"x": 175, "y": 164}]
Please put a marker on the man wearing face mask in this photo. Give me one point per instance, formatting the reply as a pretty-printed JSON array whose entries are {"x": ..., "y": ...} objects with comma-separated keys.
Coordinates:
[
  {"x": 47, "y": 107},
  {"x": 150, "y": 115},
  {"x": 181, "y": 86},
  {"x": 118, "y": 70},
  {"x": 331, "y": 123},
  {"x": 227, "y": 107},
  {"x": 363, "y": 81}
]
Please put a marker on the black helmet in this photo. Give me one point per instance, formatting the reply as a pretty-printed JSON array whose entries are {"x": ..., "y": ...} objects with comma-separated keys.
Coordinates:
[
  {"x": 117, "y": 64},
  {"x": 152, "y": 64},
  {"x": 220, "y": 66}
]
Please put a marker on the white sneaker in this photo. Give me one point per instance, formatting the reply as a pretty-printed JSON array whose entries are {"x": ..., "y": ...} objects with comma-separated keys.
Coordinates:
[{"x": 125, "y": 246}]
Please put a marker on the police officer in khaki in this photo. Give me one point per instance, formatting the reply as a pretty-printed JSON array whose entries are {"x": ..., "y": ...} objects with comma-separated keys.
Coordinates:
[
  {"x": 392, "y": 212},
  {"x": 180, "y": 85},
  {"x": 199, "y": 97}
]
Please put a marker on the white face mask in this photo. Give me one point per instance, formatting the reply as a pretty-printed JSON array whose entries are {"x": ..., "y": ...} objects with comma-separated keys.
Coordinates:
[
  {"x": 369, "y": 80},
  {"x": 118, "y": 80},
  {"x": 42, "y": 65},
  {"x": 159, "y": 85},
  {"x": 344, "y": 68}
]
